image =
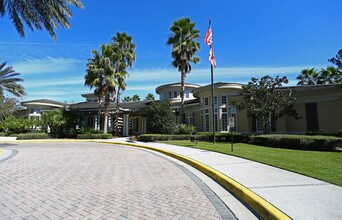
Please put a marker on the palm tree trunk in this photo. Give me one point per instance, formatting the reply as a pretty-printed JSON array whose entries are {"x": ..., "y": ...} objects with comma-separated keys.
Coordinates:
[
  {"x": 106, "y": 113},
  {"x": 181, "y": 111},
  {"x": 117, "y": 112},
  {"x": 99, "y": 115}
]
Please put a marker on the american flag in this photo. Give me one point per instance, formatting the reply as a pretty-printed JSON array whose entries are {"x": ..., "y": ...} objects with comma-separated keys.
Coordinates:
[
  {"x": 212, "y": 56},
  {"x": 208, "y": 39}
]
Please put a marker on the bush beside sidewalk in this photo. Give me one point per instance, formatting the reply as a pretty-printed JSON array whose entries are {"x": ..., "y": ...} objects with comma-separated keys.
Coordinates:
[{"x": 287, "y": 141}]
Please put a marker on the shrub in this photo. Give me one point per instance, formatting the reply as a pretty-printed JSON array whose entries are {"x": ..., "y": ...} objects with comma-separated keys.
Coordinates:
[
  {"x": 299, "y": 142},
  {"x": 185, "y": 129},
  {"x": 94, "y": 136},
  {"x": 34, "y": 135},
  {"x": 167, "y": 137},
  {"x": 325, "y": 133},
  {"x": 13, "y": 125}
]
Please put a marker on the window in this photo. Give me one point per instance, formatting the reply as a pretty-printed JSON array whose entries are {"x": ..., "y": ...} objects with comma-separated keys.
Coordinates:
[
  {"x": 207, "y": 122},
  {"x": 189, "y": 119},
  {"x": 259, "y": 125},
  {"x": 224, "y": 119},
  {"x": 31, "y": 110},
  {"x": 170, "y": 95},
  {"x": 187, "y": 94},
  {"x": 223, "y": 100},
  {"x": 216, "y": 121},
  {"x": 175, "y": 94},
  {"x": 206, "y": 101},
  {"x": 38, "y": 110},
  {"x": 215, "y": 100}
]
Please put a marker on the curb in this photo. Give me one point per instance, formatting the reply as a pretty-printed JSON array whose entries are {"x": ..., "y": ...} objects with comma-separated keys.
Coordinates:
[{"x": 254, "y": 201}]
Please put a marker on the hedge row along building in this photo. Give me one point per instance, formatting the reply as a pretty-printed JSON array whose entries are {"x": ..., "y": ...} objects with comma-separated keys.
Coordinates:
[{"x": 319, "y": 105}]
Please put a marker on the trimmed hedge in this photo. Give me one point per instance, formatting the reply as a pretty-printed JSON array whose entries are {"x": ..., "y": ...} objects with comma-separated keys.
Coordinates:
[
  {"x": 28, "y": 136},
  {"x": 163, "y": 137},
  {"x": 94, "y": 136},
  {"x": 325, "y": 133},
  {"x": 298, "y": 142},
  {"x": 200, "y": 136}
]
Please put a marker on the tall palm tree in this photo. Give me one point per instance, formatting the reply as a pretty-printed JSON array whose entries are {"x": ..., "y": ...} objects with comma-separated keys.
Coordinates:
[
  {"x": 100, "y": 74},
  {"x": 184, "y": 41},
  {"x": 9, "y": 81},
  {"x": 330, "y": 75},
  {"x": 123, "y": 57},
  {"x": 308, "y": 77},
  {"x": 39, "y": 14}
]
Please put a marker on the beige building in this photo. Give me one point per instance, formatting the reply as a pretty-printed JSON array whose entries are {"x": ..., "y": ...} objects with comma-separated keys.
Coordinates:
[{"x": 320, "y": 107}]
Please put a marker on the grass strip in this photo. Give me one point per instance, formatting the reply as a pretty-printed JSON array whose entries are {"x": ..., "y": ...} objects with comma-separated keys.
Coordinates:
[{"x": 324, "y": 166}]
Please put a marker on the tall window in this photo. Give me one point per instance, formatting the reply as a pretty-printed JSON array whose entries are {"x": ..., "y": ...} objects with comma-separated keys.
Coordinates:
[
  {"x": 215, "y": 100},
  {"x": 170, "y": 95},
  {"x": 216, "y": 119},
  {"x": 206, "y": 101},
  {"x": 223, "y": 100},
  {"x": 189, "y": 119},
  {"x": 175, "y": 94},
  {"x": 207, "y": 122},
  {"x": 233, "y": 114},
  {"x": 224, "y": 119},
  {"x": 187, "y": 94}
]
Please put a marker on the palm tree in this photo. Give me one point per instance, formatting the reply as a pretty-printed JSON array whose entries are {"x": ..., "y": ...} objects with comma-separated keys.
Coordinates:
[
  {"x": 135, "y": 98},
  {"x": 330, "y": 75},
  {"x": 39, "y": 14},
  {"x": 127, "y": 99},
  {"x": 308, "y": 77},
  {"x": 100, "y": 74},
  {"x": 123, "y": 57},
  {"x": 9, "y": 81},
  {"x": 149, "y": 96},
  {"x": 183, "y": 39}
]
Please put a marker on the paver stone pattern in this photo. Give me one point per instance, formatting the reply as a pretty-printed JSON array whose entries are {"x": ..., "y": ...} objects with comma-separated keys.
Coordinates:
[{"x": 96, "y": 181}]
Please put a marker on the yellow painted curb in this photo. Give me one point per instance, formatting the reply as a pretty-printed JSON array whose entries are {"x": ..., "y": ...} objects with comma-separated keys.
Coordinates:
[{"x": 257, "y": 203}]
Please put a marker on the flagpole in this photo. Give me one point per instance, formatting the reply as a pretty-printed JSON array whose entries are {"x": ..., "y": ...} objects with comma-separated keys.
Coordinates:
[
  {"x": 212, "y": 95},
  {"x": 212, "y": 101}
]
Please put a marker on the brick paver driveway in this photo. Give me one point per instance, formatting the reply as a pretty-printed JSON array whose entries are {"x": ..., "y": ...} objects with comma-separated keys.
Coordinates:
[{"x": 97, "y": 181}]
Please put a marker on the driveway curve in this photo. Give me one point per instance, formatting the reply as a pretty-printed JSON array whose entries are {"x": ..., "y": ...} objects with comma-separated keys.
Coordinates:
[{"x": 97, "y": 181}]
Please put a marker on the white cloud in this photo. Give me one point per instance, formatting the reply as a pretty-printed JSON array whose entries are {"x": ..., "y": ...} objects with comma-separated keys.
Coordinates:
[
  {"x": 197, "y": 74},
  {"x": 53, "y": 82},
  {"x": 47, "y": 65}
]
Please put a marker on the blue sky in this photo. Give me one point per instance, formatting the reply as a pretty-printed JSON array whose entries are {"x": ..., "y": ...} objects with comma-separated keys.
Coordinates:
[{"x": 251, "y": 39}]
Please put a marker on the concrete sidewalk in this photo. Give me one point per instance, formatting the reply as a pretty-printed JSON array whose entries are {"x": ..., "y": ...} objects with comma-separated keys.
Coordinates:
[{"x": 298, "y": 196}]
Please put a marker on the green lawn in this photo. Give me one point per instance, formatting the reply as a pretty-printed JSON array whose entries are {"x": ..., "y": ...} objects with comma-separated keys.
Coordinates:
[{"x": 326, "y": 166}]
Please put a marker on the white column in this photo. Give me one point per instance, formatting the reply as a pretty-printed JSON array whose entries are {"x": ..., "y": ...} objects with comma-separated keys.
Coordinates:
[
  {"x": 95, "y": 122},
  {"x": 110, "y": 123},
  {"x": 125, "y": 125}
]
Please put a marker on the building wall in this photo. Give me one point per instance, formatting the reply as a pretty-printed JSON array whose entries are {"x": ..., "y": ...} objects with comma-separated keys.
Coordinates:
[{"x": 330, "y": 115}]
